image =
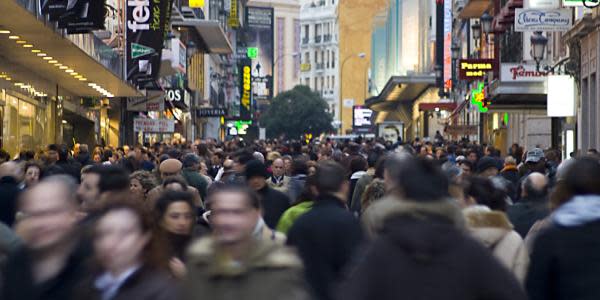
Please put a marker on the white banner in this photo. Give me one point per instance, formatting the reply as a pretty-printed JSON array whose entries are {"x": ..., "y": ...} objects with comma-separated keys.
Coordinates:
[
  {"x": 153, "y": 125},
  {"x": 541, "y": 4},
  {"x": 543, "y": 19},
  {"x": 521, "y": 73},
  {"x": 561, "y": 96}
]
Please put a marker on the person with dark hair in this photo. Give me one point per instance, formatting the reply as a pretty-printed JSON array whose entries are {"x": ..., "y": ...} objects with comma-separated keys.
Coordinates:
[
  {"x": 52, "y": 154},
  {"x": 191, "y": 173},
  {"x": 10, "y": 176},
  {"x": 99, "y": 183},
  {"x": 83, "y": 156},
  {"x": 328, "y": 235},
  {"x": 274, "y": 203},
  {"x": 533, "y": 206},
  {"x": 565, "y": 261},
  {"x": 377, "y": 169},
  {"x": 4, "y": 156},
  {"x": 358, "y": 169},
  {"x": 420, "y": 242},
  {"x": 172, "y": 168},
  {"x": 233, "y": 263},
  {"x": 298, "y": 178},
  {"x": 488, "y": 223},
  {"x": 130, "y": 259},
  {"x": 33, "y": 173},
  {"x": 304, "y": 203}
]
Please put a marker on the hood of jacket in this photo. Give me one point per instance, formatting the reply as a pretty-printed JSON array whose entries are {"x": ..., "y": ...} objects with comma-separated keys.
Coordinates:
[
  {"x": 390, "y": 206},
  {"x": 580, "y": 210},
  {"x": 204, "y": 253},
  {"x": 486, "y": 225}
]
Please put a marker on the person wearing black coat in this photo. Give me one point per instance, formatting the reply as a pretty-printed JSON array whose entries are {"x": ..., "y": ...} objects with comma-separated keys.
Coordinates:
[
  {"x": 327, "y": 236},
  {"x": 422, "y": 250},
  {"x": 533, "y": 206},
  {"x": 273, "y": 203},
  {"x": 565, "y": 261},
  {"x": 9, "y": 192}
]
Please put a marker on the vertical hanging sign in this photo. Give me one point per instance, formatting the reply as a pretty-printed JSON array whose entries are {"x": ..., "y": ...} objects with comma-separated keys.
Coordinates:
[{"x": 245, "y": 69}]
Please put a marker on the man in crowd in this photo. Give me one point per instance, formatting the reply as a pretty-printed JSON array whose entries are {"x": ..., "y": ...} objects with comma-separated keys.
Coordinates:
[
  {"x": 279, "y": 181},
  {"x": 233, "y": 264},
  {"x": 169, "y": 168},
  {"x": 533, "y": 205},
  {"x": 99, "y": 184},
  {"x": 274, "y": 203},
  {"x": 328, "y": 235},
  {"x": 191, "y": 173}
]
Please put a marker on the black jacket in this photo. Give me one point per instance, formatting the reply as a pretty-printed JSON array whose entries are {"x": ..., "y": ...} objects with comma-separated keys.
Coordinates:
[
  {"x": 525, "y": 213},
  {"x": 84, "y": 159},
  {"x": 326, "y": 237},
  {"x": 274, "y": 203},
  {"x": 427, "y": 257},
  {"x": 9, "y": 193},
  {"x": 565, "y": 264}
]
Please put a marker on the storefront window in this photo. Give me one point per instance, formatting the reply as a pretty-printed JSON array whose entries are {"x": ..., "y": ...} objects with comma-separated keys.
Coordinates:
[{"x": 23, "y": 126}]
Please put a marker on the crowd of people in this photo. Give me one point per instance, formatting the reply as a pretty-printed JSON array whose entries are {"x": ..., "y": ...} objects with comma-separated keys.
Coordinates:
[{"x": 325, "y": 219}]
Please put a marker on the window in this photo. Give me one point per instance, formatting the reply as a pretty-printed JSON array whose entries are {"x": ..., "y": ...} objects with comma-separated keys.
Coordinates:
[
  {"x": 306, "y": 57},
  {"x": 316, "y": 84},
  {"x": 307, "y": 81},
  {"x": 306, "y": 31},
  {"x": 322, "y": 83},
  {"x": 332, "y": 59},
  {"x": 328, "y": 57},
  {"x": 316, "y": 57},
  {"x": 328, "y": 86}
]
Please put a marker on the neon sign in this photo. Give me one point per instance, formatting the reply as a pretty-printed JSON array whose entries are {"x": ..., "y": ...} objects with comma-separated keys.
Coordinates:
[{"x": 478, "y": 98}]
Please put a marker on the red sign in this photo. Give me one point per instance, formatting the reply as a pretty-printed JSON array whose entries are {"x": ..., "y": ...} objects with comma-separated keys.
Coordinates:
[{"x": 475, "y": 69}]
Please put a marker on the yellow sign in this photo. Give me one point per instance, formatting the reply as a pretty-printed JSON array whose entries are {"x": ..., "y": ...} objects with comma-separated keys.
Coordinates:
[
  {"x": 197, "y": 3},
  {"x": 305, "y": 67},
  {"x": 233, "y": 14},
  {"x": 246, "y": 88}
]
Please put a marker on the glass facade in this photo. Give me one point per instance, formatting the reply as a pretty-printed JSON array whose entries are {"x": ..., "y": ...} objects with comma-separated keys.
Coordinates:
[{"x": 25, "y": 124}]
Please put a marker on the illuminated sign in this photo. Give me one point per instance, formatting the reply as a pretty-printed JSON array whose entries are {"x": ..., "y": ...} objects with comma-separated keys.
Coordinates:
[
  {"x": 252, "y": 52},
  {"x": 196, "y": 3},
  {"x": 246, "y": 92},
  {"x": 478, "y": 98},
  {"x": 233, "y": 14},
  {"x": 585, "y": 3},
  {"x": 475, "y": 69}
]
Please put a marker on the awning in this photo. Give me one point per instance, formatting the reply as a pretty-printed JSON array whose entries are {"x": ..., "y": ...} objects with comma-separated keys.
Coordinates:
[
  {"x": 400, "y": 90},
  {"x": 517, "y": 96},
  {"x": 448, "y": 106},
  {"x": 26, "y": 29},
  {"x": 210, "y": 32},
  {"x": 474, "y": 9}
]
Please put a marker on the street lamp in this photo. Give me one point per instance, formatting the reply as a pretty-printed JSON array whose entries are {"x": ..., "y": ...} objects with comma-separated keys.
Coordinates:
[
  {"x": 455, "y": 49},
  {"x": 486, "y": 22},
  {"x": 476, "y": 30},
  {"x": 360, "y": 55},
  {"x": 538, "y": 47}
]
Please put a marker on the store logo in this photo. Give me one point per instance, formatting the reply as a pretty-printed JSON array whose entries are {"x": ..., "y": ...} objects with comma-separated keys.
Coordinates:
[
  {"x": 521, "y": 72},
  {"x": 246, "y": 87},
  {"x": 472, "y": 69},
  {"x": 138, "y": 50},
  {"x": 478, "y": 98},
  {"x": 141, "y": 15}
]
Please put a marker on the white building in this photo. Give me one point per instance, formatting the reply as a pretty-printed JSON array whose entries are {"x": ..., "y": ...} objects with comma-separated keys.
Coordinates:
[{"x": 319, "y": 67}]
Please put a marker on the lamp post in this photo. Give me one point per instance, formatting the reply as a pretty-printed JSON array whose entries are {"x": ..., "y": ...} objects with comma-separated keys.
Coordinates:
[
  {"x": 486, "y": 23},
  {"x": 360, "y": 55},
  {"x": 538, "y": 47},
  {"x": 476, "y": 31}
]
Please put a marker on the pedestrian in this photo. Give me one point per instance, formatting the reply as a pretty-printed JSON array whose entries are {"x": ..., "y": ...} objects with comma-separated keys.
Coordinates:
[
  {"x": 533, "y": 205},
  {"x": 510, "y": 171},
  {"x": 10, "y": 177},
  {"x": 232, "y": 263},
  {"x": 298, "y": 177},
  {"x": 421, "y": 243},
  {"x": 191, "y": 173},
  {"x": 565, "y": 261},
  {"x": 140, "y": 183},
  {"x": 304, "y": 204},
  {"x": 100, "y": 184},
  {"x": 273, "y": 203},
  {"x": 375, "y": 171},
  {"x": 488, "y": 223},
  {"x": 130, "y": 260},
  {"x": 487, "y": 167},
  {"x": 83, "y": 156},
  {"x": 328, "y": 235},
  {"x": 375, "y": 191},
  {"x": 358, "y": 169},
  {"x": 33, "y": 172},
  {"x": 50, "y": 262},
  {"x": 279, "y": 181},
  {"x": 172, "y": 167}
]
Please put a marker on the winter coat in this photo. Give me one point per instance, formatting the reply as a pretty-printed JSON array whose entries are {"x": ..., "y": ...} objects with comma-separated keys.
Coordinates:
[
  {"x": 495, "y": 231},
  {"x": 361, "y": 186},
  {"x": 9, "y": 193},
  {"x": 423, "y": 253},
  {"x": 281, "y": 186},
  {"x": 353, "y": 182},
  {"x": 268, "y": 271},
  {"x": 195, "y": 179},
  {"x": 326, "y": 237},
  {"x": 84, "y": 159},
  {"x": 511, "y": 173},
  {"x": 526, "y": 212},
  {"x": 274, "y": 204},
  {"x": 290, "y": 216},
  {"x": 565, "y": 261},
  {"x": 296, "y": 187}
]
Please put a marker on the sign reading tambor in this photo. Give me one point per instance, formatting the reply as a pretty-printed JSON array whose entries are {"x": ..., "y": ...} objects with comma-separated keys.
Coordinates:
[
  {"x": 475, "y": 69},
  {"x": 153, "y": 125},
  {"x": 543, "y": 19},
  {"x": 521, "y": 73},
  {"x": 210, "y": 112}
]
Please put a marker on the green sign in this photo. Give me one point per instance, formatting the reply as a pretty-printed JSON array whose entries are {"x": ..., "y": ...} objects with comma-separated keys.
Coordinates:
[
  {"x": 138, "y": 50},
  {"x": 478, "y": 98},
  {"x": 252, "y": 52}
]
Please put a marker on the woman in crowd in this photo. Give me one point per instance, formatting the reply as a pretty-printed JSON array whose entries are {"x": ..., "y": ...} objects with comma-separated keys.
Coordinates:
[
  {"x": 33, "y": 172},
  {"x": 141, "y": 182}
]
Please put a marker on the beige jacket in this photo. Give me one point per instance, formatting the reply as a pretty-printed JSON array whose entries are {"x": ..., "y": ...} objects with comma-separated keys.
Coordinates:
[
  {"x": 495, "y": 231},
  {"x": 282, "y": 186}
]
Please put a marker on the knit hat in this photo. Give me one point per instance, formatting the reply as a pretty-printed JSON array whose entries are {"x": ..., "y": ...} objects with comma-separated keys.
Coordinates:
[
  {"x": 255, "y": 168},
  {"x": 485, "y": 163},
  {"x": 170, "y": 165}
]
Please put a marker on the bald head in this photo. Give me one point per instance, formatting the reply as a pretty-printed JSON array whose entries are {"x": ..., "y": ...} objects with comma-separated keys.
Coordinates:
[{"x": 535, "y": 186}]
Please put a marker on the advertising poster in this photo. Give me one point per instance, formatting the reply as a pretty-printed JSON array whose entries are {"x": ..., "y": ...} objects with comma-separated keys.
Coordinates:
[
  {"x": 259, "y": 34},
  {"x": 391, "y": 132},
  {"x": 245, "y": 71},
  {"x": 146, "y": 24},
  {"x": 361, "y": 121}
]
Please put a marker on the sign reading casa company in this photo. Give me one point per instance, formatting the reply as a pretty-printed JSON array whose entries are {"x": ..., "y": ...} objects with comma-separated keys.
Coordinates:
[
  {"x": 522, "y": 73},
  {"x": 147, "y": 21},
  {"x": 475, "y": 69},
  {"x": 153, "y": 125},
  {"x": 543, "y": 19}
]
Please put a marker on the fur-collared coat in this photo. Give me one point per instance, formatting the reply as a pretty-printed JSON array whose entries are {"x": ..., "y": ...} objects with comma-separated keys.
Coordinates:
[{"x": 495, "y": 231}]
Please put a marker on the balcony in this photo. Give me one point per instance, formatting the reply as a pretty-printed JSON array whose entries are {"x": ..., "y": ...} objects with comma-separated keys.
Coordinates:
[
  {"x": 318, "y": 39},
  {"x": 305, "y": 40},
  {"x": 327, "y": 38}
]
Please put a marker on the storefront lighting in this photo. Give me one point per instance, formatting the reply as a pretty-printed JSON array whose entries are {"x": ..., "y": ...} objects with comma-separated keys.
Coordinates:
[
  {"x": 455, "y": 49},
  {"x": 41, "y": 54},
  {"x": 538, "y": 47},
  {"x": 476, "y": 30},
  {"x": 18, "y": 83},
  {"x": 69, "y": 71},
  {"x": 48, "y": 57},
  {"x": 36, "y": 51},
  {"x": 14, "y": 37},
  {"x": 2, "y": 75},
  {"x": 74, "y": 74},
  {"x": 486, "y": 22},
  {"x": 21, "y": 42},
  {"x": 4, "y": 31},
  {"x": 8, "y": 79},
  {"x": 82, "y": 79},
  {"x": 28, "y": 46},
  {"x": 63, "y": 67},
  {"x": 52, "y": 61}
]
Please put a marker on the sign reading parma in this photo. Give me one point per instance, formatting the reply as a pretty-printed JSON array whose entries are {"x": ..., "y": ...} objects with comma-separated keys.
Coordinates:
[
  {"x": 543, "y": 19},
  {"x": 146, "y": 24},
  {"x": 475, "y": 69}
]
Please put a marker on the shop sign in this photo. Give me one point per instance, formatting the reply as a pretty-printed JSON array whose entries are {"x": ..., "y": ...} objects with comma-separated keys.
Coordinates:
[
  {"x": 137, "y": 104},
  {"x": 475, "y": 69},
  {"x": 233, "y": 14},
  {"x": 479, "y": 99},
  {"x": 53, "y": 8},
  {"x": 146, "y": 23},
  {"x": 544, "y": 4},
  {"x": 211, "y": 112},
  {"x": 561, "y": 96},
  {"x": 153, "y": 125},
  {"x": 81, "y": 16},
  {"x": 543, "y": 19},
  {"x": 174, "y": 95},
  {"x": 458, "y": 130},
  {"x": 259, "y": 29},
  {"x": 245, "y": 90},
  {"x": 586, "y": 3},
  {"x": 196, "y": 3},
  {"x": 522, "y": 73}
]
